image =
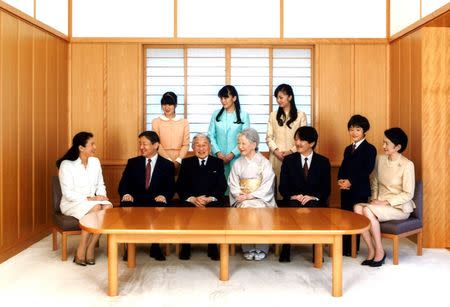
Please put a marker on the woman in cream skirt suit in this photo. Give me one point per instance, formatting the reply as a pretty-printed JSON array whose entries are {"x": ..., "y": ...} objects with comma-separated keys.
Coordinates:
[{"x": 392, "y": 185}]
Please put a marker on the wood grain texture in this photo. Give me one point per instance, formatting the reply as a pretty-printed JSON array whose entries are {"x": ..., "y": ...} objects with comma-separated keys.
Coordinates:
[
  {"x": 1, "y": 130},
  {"x": 334, "y": 101},
  {"x": 25, "y": 126},
  {"x": 27, "y": 81},
  {"x": 435, "y": 127},
  {"x": 62, "y": 115},
  {"x": 87, "y": 91},
  {"x": 370, "y": 89},
  {"x": 394, "y": 102},
  {"x": 405, "y": 90},
  {"x": 420, "y": 103},
  {"x": 10, "y": 86},
  {"x": 39, "y": 129},
  {"x": 52, "y": 121},
  {"x": 111, "y": 176},
  {"x": 122, "y": 100},
  {"x": 415, "y": 134}
]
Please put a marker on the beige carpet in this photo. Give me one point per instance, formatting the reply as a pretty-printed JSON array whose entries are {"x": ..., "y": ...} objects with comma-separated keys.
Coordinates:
[{"x": 38, "y": 276}]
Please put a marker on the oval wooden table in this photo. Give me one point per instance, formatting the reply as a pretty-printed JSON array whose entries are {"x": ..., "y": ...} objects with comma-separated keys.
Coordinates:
[{"x": 225, "y": 226}]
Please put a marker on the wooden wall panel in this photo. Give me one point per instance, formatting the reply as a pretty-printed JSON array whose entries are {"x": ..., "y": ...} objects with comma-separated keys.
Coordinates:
[
  {"x": 25, "y": 122},
  {"x": 435, "y": 129},
  {"x": 9, "y": 51},
  {"x": 1, "y": 130},
  {"x": 415, "y": 134},
  {"x": 112, "y": 175},
  {"x": 62, "y": 114},
  {"x": 39, "y": 130},
  {"x": 423, "y": 93},
  {"x": 405, "y": 90},
  {"x": 87, "y": 104},
  {"x": 52, "y": 122},
  {"x": 32, "y": 89},
  {"x": 394, "y": 102},
  {"x": 123, "y": 122},
  {"x": 334, "y": 99},
  {"x": 370, "y": 89}
]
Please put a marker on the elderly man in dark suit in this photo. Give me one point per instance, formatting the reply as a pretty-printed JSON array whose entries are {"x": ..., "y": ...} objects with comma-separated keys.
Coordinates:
[
  {"x": 148, "y": 180},
  {"x": 201, "y": 183},
  {"x": 305, "y": 178}
]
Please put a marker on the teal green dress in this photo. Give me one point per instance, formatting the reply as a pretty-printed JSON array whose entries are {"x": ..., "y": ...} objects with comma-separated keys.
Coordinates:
[{"x": 224, "y": 134}]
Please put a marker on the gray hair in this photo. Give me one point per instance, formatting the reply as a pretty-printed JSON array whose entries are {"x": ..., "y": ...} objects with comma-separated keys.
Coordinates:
[
  {"x": 251, "y": 135},
  {"x": 201, "y": 136}
]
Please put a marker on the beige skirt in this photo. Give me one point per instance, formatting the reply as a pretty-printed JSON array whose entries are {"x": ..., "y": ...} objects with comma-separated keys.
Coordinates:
[{"x": 386, "y": 213}]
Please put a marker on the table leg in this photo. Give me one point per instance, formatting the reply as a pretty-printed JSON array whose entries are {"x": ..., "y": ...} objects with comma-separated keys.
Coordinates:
[
  {"x": 318, "y": 255},
  {"x": 337, "y": 266},
  {"x": 354, "y": 246},
  {"x": 112, "y": 265},
  {"x": 224, "y": 260},
  {"x": 131, "y": 255}
]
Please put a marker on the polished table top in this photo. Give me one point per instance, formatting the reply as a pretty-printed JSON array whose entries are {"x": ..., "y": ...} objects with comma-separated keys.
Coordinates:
[{"x": 223, "y": 221}]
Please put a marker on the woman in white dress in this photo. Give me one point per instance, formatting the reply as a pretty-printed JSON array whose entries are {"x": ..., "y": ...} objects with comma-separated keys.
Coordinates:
[
  {"x": 251, "y": 183},
  {"x": 83, "y": 190}
]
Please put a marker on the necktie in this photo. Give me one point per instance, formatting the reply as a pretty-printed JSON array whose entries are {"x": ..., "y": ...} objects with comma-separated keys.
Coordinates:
[
  {"x": 305, "y": 168},
  {"x": 203, "y": 163},
  {"x": 148, "y": 173},
  {"x": 353, "y": 147}
]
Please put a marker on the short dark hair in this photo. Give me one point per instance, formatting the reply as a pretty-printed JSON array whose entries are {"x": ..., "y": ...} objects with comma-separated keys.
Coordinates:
[
  {"x": 152, "y": 136},
  {"x": 169, "y": 98},
  {"x": 307, "y": 133},
  {"x": 359, "y": 121},
  {"x": 398, "y": 137}
]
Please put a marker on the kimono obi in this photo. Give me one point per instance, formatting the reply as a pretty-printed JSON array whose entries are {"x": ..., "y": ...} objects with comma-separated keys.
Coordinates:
[{"x": 250, "y": 185}]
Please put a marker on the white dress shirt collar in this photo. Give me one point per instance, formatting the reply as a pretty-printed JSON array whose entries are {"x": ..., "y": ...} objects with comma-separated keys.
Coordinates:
[
  {"x": 164, "y": 118},
  {"x": 200, "y": 160},
  {"x": 358, "y": 143},
  {"x": 309, "y": 158}
]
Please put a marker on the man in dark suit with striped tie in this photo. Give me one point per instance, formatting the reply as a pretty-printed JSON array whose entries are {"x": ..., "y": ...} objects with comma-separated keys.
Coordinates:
[
  {"x": 201, "y": 183},
  {"x": 305, "y": 178},
  {"x": 148, "y": 180}
]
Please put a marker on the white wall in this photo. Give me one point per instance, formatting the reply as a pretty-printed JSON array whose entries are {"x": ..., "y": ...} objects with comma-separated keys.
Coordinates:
[
  {"x": 331, "y": 18},
  {"x": 122, "y": 18}
]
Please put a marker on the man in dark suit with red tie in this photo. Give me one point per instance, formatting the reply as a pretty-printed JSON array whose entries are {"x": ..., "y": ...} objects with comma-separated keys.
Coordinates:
[
  {"x": 201, "y": 183},
  {"x": 305, "y": 178},
  {"x": 148, "y": 180}
]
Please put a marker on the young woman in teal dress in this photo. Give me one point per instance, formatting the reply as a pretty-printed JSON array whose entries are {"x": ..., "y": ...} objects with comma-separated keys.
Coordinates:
[{"x": 225, "y": 125}]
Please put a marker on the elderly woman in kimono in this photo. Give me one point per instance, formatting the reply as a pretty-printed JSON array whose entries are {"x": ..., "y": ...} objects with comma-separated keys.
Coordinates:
[{"x": 251, "y": 183}]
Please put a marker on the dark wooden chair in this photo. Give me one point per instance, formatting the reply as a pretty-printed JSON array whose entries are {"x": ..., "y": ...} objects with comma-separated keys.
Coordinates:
[{"x": 65, "y": 225}]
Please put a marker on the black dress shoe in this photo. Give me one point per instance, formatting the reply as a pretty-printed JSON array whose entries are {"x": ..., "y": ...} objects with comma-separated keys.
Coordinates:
[
  {"x": 213, "y": 252},
  {"x": 347, "y": 254},
  {"x": 79, "y": 261},
  {"x": 90, "y": 261},
  {"x": 185, "y": 253},
  {"x": 285, "y": 255},
  {"x": 156, "y": 252},
  {"x": 375, "y": 264},
  {"x": 367, "y": 262}
]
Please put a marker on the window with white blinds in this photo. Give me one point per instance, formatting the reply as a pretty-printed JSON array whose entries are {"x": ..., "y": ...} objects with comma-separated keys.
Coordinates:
[{"x": 201, "y": 72}]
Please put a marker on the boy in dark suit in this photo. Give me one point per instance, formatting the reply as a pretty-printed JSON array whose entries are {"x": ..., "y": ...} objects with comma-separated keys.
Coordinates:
[
  {"x": 305, "y": 178},
  {"x": 201, "y": 183},
  {"x": 148, "y": 180},
  {"x": 353, "y": 175}
]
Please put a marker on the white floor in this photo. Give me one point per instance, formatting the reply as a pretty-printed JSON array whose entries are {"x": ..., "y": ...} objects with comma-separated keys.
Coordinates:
[{"x": 38, "y": 276}]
